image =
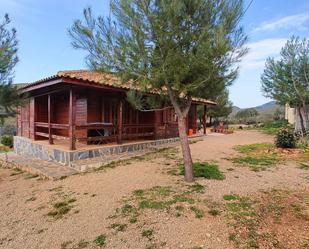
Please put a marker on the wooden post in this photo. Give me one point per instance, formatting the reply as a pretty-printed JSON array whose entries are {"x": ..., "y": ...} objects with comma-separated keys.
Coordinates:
[
  {"x": 156, "y": 123},
  {"x": 103, "y": 110},
  {"x": 29, "y": 114},
  {"x": 50, "y": 111},
  {"x": 72, "y": 113},
  {"x": 130, "y": 119},
  {"x": 111, "y": 112},
  {"x": 165, "y": 123},
  {"x": 33, "y": 117},
  {"x": 120, "y": 107},
  {"x": 137, "y": 121},
  {"x": 204, "y": 119}
]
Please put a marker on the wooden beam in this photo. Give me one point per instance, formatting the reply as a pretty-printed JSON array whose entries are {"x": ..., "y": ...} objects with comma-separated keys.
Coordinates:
[
  {"x": 204, "y": 119},
  {"x": 72, "y": 112},
  {"x": 49, "y": 106},
  {"x": 119, "y": 113}
]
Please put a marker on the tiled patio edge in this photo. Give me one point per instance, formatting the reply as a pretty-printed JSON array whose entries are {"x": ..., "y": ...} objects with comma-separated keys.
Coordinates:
[{"x": 25, "y": 146}]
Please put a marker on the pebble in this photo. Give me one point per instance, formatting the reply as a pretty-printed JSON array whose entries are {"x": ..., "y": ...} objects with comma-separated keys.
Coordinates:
[{"x": 208, "y": 235}]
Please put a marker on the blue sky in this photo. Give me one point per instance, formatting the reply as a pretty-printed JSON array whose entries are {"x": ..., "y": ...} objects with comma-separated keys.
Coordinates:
[{"x": 45, "y": 45}]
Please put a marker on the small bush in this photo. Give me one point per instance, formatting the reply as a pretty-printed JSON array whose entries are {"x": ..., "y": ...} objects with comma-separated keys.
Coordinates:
[
  {"x": 100, "y": 240},
  {"x": 214, "y": 212},
  {"x": 7, "y": 129},
  {"x": 148, "y": 233},
  {"x": 7, "y": 140},
  {"x": 285, "y": 138}
]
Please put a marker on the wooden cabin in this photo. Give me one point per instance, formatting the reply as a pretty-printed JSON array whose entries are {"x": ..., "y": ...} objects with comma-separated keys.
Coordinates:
[{"x": 83, "y": 107}]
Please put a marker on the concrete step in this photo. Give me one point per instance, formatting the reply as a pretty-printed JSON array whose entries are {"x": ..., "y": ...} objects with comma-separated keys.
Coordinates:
[{"x": 45, "y": 169}]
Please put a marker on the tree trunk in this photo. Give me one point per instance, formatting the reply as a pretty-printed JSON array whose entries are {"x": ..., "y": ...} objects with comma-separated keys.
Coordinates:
[
  {"x": 306, "y": 117},
  {"x": 184, "y": 142},
  {"x": 301, "y": 120},
  {"x": 182, "y": 129}
]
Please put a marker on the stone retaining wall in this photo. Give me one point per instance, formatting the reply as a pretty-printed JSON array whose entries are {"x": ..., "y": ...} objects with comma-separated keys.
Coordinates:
[{"x": 27, "y": 147}]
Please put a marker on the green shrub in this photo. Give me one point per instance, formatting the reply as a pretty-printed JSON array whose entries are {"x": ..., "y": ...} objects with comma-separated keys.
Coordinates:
[
  {"x": 100, "y": 240},
  {"x": 276, "y": 124},
  {"x": 273, "y": 126},
  {"x": 285, "y": 138},
  {"x": 7, "y": 140}
]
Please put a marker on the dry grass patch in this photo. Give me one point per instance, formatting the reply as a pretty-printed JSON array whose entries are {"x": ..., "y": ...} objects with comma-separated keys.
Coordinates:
[
  {"x": 171, "y": 202},
  {"x": 262, "y": 156},
  {"x": 258, "y": 157},
  {"x": 253, "y": 148},
  {"x": 208, "y": 170},
  {"x": 274, "y": 219},
  {"x": 61, "y": 208},
  {"x": 16, "y": 171},
  {"x": 256, "y": 163},
  {"x": 61, "y": 203}
]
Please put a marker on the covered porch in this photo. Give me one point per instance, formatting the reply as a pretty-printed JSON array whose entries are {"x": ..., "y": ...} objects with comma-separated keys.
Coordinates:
[{"x": 71, "y": 118}]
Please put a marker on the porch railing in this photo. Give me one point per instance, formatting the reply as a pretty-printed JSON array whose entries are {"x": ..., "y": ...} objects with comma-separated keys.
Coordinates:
[{"x": 110, "y": 131}]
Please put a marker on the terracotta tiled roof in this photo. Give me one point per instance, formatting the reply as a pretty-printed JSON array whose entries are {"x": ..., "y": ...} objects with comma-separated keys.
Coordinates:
[{"x": 106, "y": 79}]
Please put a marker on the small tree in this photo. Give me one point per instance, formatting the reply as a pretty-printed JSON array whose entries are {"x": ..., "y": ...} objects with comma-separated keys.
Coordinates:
[
  {"x": 9, "y": 98},
  {"x": 177, "y": 48},
  {"x": 287, "y": 80},
  {"x": 278, "y": 114},
  {"x": 222, "y": 110}
]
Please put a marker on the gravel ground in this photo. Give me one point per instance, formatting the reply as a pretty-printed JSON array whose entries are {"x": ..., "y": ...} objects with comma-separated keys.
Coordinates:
[{"x": 25, "y": 203}]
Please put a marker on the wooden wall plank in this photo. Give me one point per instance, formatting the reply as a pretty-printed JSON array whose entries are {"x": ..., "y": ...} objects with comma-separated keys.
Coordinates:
[{"x": 72, "y": 113}]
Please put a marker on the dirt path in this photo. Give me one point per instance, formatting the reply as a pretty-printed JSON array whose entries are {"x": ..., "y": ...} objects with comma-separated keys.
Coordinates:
[{"x": 25, "y": 202}]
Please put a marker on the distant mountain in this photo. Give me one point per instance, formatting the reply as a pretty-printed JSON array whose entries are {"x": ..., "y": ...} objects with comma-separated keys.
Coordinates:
[{"x": 268, "y": 107}]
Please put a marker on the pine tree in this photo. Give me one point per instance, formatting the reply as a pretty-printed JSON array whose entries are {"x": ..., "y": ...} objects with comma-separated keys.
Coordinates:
[
  {"x": 286, "y": 80},
  {"x": 179, "y": 48},
  {"x": 223, "y": 107},
  {"x": 9, "y": 99}
]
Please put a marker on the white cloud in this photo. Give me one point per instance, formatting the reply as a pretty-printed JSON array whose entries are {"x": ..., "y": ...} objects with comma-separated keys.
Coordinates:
[
  {"x": 260, "y": 51},
  {"x": 288, "y": 22},
  {"x": 246, "y": 90}
]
